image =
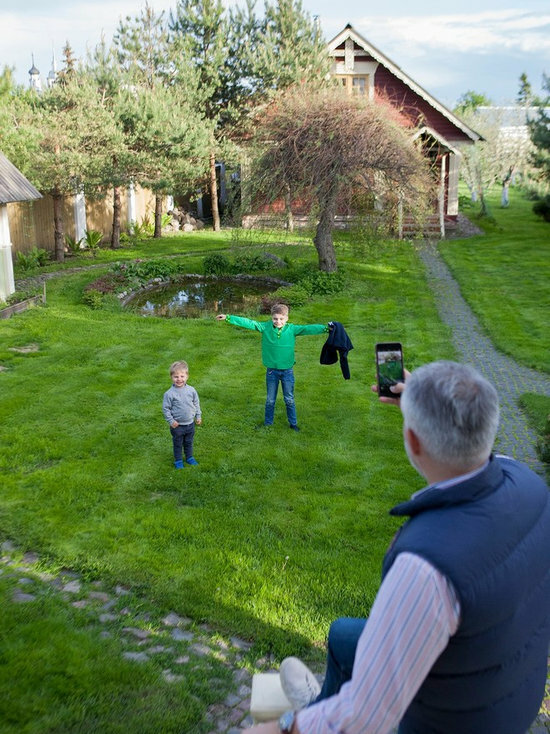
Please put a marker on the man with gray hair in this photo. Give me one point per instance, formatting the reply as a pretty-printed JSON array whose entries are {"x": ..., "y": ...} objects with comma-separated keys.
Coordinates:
[{"x": 457, "y": 639}]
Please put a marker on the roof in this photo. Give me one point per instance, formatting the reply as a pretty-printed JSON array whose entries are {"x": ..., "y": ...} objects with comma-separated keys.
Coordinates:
[
  {"x": 13, "y": 185},
  {"x": 350, "y": 32}
]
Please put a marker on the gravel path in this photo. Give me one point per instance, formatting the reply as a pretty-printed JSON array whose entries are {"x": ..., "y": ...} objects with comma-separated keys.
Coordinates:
[{"x": 515, "y": 437}]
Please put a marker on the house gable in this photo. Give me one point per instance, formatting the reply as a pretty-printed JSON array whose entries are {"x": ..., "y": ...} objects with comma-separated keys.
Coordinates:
[{"x": 355, "y": 58}]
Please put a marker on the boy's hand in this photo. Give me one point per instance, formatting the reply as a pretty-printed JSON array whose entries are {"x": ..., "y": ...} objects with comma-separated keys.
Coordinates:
[
  {"x": 220, "y": 317},
  {"x": 175, "y": 424},
  {"x": 198, "y": 421}
]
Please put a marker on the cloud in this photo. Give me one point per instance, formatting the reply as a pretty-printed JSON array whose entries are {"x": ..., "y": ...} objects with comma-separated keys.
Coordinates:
[{"x": 514, "y": 31}]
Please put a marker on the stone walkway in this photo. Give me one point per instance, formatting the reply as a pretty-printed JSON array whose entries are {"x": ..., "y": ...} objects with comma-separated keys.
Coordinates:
[
  {"x": 179, "y": 635},
  {"x": 515, "y": 437}
]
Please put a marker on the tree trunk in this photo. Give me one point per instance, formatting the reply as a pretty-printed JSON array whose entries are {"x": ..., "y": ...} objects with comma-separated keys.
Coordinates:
[
  {"x": 115, "y": 234},
  {"x": 323, "y": 238},
  {"x": 288, "y": 211},
  {"x": 214, "y": 193},
  {"x": 158, "y": 215},
  {"x": 59, "y": 235}
]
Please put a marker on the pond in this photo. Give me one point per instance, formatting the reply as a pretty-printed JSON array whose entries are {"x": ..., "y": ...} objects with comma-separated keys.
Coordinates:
[{"x": 196, "y": 297}]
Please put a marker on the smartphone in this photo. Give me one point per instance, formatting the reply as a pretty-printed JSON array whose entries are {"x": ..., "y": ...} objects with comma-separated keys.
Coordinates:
[{"x": 389, "y": 367}]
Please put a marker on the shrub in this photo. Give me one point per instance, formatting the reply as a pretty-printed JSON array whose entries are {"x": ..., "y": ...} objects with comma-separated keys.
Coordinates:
[
  {"x": 542, "y": 208},
  {"x": 93, "y": 298},
  {"x": 145, "y": 270},
  {"x": 23, "y": 294},
  {"x": 33, "y": 259},
  {"x": 543, "y": 444},
  {"x": 292, "y": 295},
  {"x": 216, "y": 264},
  {"x": 319, "y": 283},
  {"x": 251, "y": 263},
  {"x": 92, "y": 240},
  {"x": 73, "y": 245}
]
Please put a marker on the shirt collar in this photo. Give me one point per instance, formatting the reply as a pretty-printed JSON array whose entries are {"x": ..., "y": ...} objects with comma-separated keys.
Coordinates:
[{"x": 453, "y": 481}]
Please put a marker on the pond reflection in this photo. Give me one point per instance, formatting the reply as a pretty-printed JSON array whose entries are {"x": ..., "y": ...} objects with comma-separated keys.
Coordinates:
[{"x": 195, "y": 298}]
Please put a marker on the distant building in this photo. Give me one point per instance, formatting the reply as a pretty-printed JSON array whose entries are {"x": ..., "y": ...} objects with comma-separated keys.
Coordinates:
[
  {"x": 13, "y": 187},
  {"x": 35, "y": 80}
]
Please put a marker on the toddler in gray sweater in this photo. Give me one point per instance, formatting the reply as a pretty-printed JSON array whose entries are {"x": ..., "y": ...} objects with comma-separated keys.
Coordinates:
[{"x": 181, "y": 409}]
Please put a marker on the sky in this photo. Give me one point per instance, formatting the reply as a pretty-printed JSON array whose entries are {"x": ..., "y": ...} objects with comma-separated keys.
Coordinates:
[{"x": 482, "y": 46}]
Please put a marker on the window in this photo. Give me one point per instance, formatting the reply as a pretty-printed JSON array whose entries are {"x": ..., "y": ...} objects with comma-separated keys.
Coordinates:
[{"x": 355, "y": 84}]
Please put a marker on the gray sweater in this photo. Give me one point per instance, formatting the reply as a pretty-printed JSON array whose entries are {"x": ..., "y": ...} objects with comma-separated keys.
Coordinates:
[{"x": 181, "y": 404}]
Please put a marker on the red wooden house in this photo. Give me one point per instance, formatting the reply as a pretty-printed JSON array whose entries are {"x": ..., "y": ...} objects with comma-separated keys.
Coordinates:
[{"x": 363, "y": 69}]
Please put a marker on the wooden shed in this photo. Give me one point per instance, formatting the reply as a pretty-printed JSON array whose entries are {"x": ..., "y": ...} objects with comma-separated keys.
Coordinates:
[{"x": 13, "y": 187}]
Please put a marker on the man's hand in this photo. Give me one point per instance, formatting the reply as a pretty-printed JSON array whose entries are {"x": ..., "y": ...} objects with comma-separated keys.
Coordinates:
[
  {"x": 220, "y": 317},
  {"x": 272, "y": 727},
  {"x": 175, "y": 424},
  {"x": 397, "y": 389},
  {"x": 198, "y": 421}
]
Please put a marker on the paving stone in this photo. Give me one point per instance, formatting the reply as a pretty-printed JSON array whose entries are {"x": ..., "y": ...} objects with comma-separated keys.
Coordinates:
[
  {"x": 138, "y": 657},
  {"x": 240, "y": 644},
  {"x": 200, "y": 649},
  {"x": 180, "y": 635},
  {"x": 80, "y": 604},
  {"x": 231, "y": 700},
  {"x": 99, "y": 596},
  {"x": 21, "y": 598},
  {"x": 30, "y": 557},
  {"x": 73, "y": 587},
  {"x": 172, "y": 677},
  {"x": 137, "y": 632},
  {"x": 171, "y": 620},
  {"x": 107, "y": 617},
  {"x": 121, "y": 591}
]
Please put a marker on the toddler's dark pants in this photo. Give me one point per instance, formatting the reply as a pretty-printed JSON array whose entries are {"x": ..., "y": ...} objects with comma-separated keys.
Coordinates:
[{"x": 182, "y": 439}]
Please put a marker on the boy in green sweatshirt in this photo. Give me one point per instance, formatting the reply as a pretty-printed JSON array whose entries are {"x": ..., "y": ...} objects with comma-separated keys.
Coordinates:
[{"x": 278, "y": 339}]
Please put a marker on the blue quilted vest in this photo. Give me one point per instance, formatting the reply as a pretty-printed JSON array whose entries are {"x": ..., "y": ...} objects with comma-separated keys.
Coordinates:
[{"x": 490, "y": 535}]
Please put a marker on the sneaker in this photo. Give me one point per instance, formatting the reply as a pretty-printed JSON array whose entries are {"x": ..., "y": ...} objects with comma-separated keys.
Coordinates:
[
  {"x": 192, "y": 461},
  {"x": 298, "y": 682},
  {"x": 293, "y": 428},
  {"x": 178, "y": 464}
]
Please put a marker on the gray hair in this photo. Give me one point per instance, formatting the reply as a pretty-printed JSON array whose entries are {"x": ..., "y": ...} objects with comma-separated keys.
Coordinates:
[{"x": 453, "y": 410}]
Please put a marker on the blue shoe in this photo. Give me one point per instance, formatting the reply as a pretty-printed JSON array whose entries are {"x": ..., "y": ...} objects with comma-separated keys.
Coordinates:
[
  {"x": 293, "y": 428},
  {"x": 192, "y": 461},
  {"x": 178, "y": 464}
]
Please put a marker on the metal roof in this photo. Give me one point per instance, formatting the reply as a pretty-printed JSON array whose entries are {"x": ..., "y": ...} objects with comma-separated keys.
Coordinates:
[{"x": 13, "y": 185}]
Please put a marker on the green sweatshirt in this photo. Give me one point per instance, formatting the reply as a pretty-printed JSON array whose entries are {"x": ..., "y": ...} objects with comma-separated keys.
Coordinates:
[{"x": 277, "y": 344}]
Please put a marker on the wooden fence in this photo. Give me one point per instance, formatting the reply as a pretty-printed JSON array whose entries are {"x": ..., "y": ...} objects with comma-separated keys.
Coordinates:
[{"x": 31, "y": 222}]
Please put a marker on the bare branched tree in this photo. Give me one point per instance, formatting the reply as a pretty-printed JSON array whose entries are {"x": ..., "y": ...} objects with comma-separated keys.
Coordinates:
[{"x": 322, "y": 145}]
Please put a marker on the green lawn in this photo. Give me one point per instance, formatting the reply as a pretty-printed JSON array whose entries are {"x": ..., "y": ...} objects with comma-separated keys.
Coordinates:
[
  {"x": 504, "y": 276},
  {"x": 86, "y": 451},
  {"x": 274, "y": 533}
]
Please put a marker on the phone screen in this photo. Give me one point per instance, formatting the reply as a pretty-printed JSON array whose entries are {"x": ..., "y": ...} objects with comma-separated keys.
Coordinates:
[{"x": 389, "y": 367}]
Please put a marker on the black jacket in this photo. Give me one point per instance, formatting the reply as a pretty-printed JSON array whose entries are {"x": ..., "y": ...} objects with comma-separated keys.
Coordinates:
[{"x": 337, "y": 345}]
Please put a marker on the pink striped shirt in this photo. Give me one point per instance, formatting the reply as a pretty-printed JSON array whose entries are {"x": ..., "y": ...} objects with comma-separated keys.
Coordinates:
[{"x": 414, "y": 614}]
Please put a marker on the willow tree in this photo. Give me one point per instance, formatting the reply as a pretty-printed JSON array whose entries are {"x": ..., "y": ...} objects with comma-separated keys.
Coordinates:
[{"x": 325, "y": 145}]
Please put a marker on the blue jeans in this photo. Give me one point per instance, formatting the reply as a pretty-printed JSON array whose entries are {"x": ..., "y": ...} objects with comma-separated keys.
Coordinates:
[
  {"x": 272, "y": 379},
  {"x": 182, "y": 440},
  {"x": 343, "y": 637}
]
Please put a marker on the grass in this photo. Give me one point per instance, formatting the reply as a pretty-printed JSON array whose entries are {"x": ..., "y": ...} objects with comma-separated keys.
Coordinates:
[
  {"x": 81, "y": 488},
  {"x": 504, "y": 276},
  {"x": 72, "y": 677},
  {"x": 270, "y": 538}
]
